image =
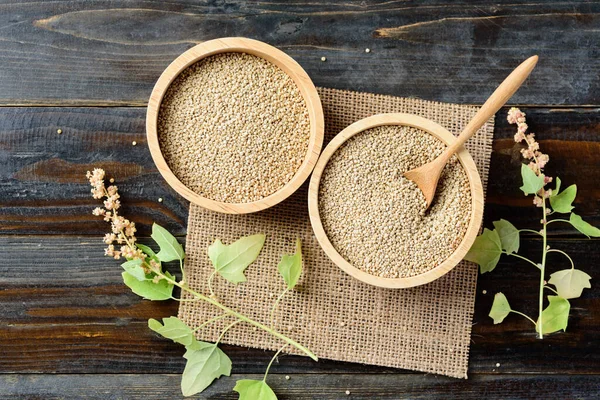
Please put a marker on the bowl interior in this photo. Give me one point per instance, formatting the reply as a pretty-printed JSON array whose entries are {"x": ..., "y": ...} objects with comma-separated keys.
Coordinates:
[
  {"x": 274, "y": 56},
  {"x": 474, "y": 183}
]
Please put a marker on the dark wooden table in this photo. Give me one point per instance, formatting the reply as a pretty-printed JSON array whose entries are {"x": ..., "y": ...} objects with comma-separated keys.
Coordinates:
[{"x": 69, "y": 328}]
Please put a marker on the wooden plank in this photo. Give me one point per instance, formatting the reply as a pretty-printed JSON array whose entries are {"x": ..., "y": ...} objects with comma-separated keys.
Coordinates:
[
  {"x": 303, "y": 386},
  {"x": 112, "y": 52},
  {"x": 43, "y": 189},
  {"x": 65, "y": 310}
]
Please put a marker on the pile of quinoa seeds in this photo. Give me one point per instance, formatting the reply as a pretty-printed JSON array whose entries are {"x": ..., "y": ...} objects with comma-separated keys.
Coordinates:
[
  {"x": 233, "y": 128},
  {"x": 376, "y": 218}
]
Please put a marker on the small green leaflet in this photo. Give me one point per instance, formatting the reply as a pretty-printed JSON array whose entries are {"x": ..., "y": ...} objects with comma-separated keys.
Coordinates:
[
  {"x": 532, "y": 183},
  {"x": 250, "y": 389},
  {"x": 486, "y": 250},
  {"x": 231, "y": 261},
  {"x": 500, "y": 308},
  {"x": 557, "y": 188},
  {"x": 146, "y": 249},
  {"x": 173, "y": 328},
  {"x": 148, "y": 289},
  {"x": 290, "y": 266},
  {"x": 570, "y": 282},
  {"x": 509, "y": 235},
  {"x": 170, "y": 249},
  {"x": 583, "y": 226},
  {"x": 134, "y": 268},
  {"x": 555, "y": 316},
  {"x": 205, "y": 363},
  {"x": 562, "y": 202}
]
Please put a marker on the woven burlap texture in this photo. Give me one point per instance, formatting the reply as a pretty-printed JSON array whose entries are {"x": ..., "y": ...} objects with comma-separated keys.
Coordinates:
[{"x": 426, "y": 328}]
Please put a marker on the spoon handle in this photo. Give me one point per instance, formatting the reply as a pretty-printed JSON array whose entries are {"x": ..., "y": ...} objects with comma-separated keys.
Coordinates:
[{"x": 495, "y": 101}]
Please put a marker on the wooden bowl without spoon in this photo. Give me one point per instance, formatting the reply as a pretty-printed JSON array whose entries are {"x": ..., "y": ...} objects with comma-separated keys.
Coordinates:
[
  {"x": 474, "y": 184},
  {"x": 274, "y": 56}
]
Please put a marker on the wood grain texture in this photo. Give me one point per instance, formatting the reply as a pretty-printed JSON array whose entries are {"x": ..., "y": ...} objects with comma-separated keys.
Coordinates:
[
  {"x": 66, "y": 310},
  {"x": 112, "y": 52},
  {"x": 304, "y": 387},
  {"x": 43, "y": 189}
]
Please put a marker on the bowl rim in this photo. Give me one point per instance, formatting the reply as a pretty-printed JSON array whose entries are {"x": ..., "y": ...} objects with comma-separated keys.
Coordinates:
[
  {"x": 271, "y": 54},
  {"x": 477, "y": 199}
]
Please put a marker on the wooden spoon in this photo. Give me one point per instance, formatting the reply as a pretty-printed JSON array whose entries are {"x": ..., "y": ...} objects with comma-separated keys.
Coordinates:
[{"x": 426, "y": 177}]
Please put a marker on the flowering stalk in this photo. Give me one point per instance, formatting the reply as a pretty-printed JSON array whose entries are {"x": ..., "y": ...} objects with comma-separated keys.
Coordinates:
[
  {"x": 144, "y": 275},
  {"x": 537, "y": 162},
  {"x": 505, "y": 238}
]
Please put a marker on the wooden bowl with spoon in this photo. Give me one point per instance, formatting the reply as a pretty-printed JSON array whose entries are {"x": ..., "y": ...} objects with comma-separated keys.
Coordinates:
[{"x": 426, "y": 178}]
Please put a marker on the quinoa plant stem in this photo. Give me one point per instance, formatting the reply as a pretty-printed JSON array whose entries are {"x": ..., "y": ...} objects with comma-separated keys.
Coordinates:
[
  {"x": 276, "y": 304},
  {"x": 543, "y": 267},
  {"x": 565, "y": 254},
  {"x": 180, "y": 300},
  {"x": 530, "y": 230},
  {"x": 559, "y": 220},
  {"x": 549, "y": 288},
  {"x": 226, "y": 329},
  {"x": 271, "y": 362},
  {"x": 239, "y": 316},
  {"x": 210, "y": 278},
  {"x": 182, "y": 271},
  {"x": 522, "y": 258},
  {"x": 524, "y": 315},
  {"x": 210, "y": 321}
]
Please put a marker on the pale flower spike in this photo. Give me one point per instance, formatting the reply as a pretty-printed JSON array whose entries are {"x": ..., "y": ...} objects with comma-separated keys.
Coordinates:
[
  {"x": 538, "y": 160},
  {"x": 123, "y": 230}
]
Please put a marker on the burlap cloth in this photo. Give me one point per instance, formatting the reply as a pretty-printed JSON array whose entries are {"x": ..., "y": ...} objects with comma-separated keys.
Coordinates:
[{"x": 426, "y": 328}]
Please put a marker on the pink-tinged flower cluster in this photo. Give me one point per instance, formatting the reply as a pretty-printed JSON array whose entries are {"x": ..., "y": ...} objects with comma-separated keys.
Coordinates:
[
  {"x": 537, "y": 159},
  {"x": 123, "y": 230}
]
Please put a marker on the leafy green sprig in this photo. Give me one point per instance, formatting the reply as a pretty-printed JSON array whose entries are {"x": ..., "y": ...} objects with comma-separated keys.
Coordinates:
[
  {"x": 144, "y": 275},
  {"x": 504, "y": 239}
]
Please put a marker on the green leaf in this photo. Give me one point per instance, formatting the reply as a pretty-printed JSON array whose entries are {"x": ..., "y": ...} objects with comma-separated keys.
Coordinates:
[
  {"x": 562, "y": 202},
  {"x": 557, "y": 188},
  {"x": 500, "y": 308},
  {"x": 290, "y": 266},
  {"x": 583, "y": 226},
  {"x": 205, "y": 363},
  {"x": 486, "y": 250},
  {"x": 134, "y": 268},
  {"x": 570, "y": 282},
  {"x": 555, "y": 316},
  {"x": 509, "y": 235},
  {"x": 170, "y": 249},
  {"x": 148, "y": 289},
  {"x": 147, "y": 250},
  {"x": 231, "y": 261},
  {"x": 532, "y": 183},
  {"x": 250, "y": 389},
  {"x": 173, "y": 328}
]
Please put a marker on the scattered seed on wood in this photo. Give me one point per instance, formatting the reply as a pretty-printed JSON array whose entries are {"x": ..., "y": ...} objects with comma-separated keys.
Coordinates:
[
  {"x": 287, "y": 377},
  {"x": 323, "y": 59},
  {"x": 160, "y": 199},
  {"x": 134, "y": 143},
  {"x": 59, "y": 131},
  {"x": 376, "y": 218},
  {"x": 367, "y": 50},
  {"x": 112, "y": 180},
  {"x": 347, "y": 393},
  {"x": 234, "y": 128}
]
